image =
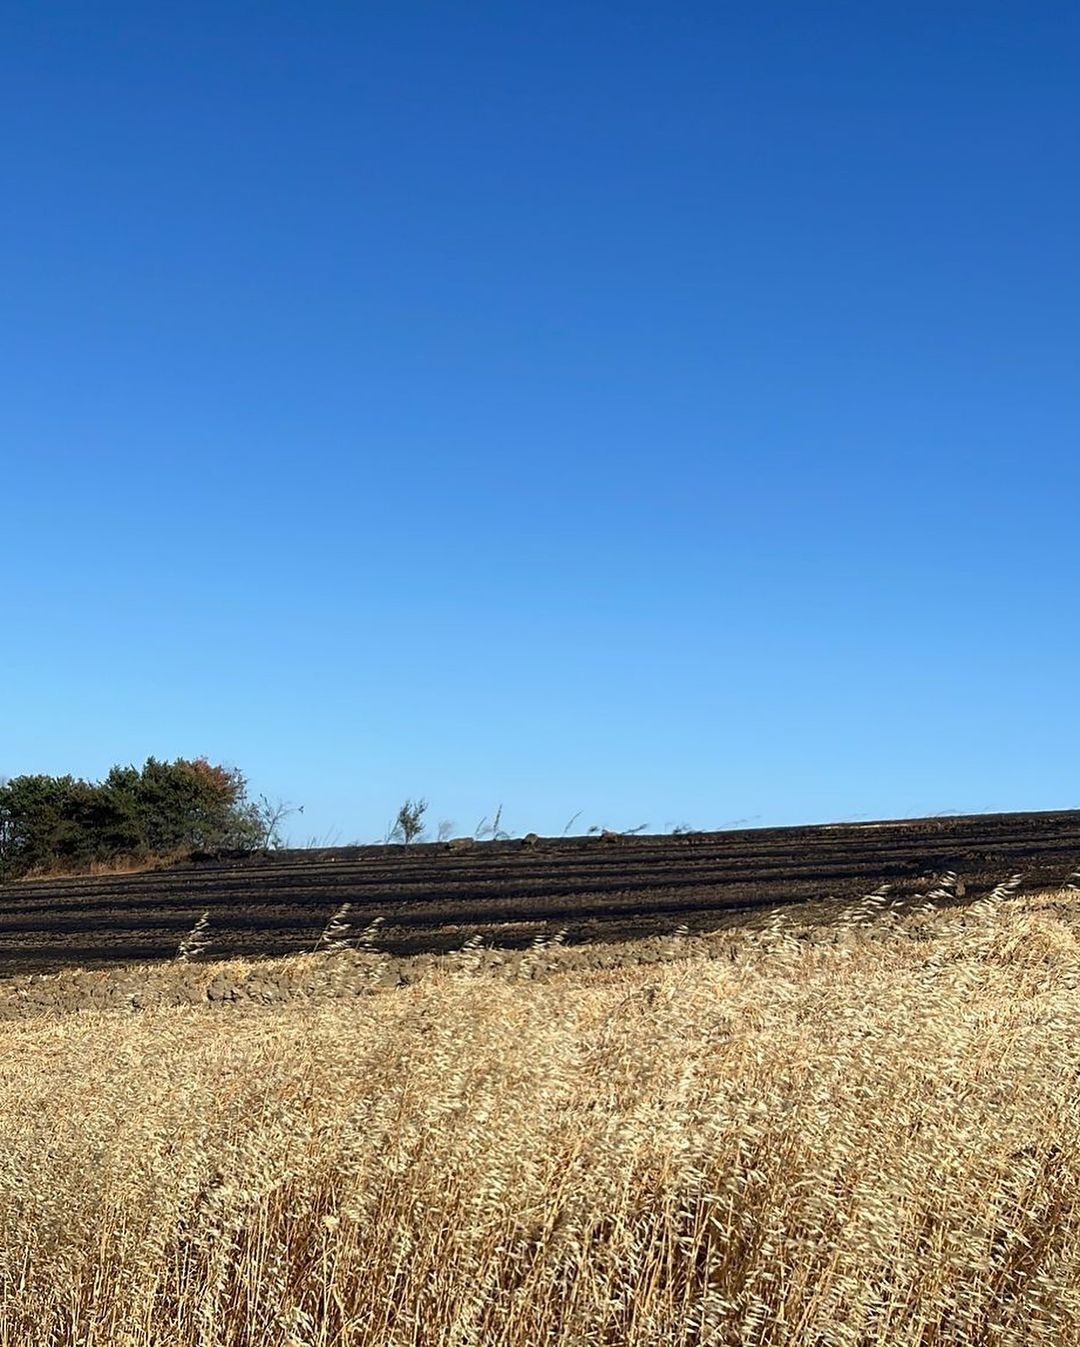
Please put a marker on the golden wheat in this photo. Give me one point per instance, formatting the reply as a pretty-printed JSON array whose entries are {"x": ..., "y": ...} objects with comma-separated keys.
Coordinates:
[{"x": 868, "y": 1138}]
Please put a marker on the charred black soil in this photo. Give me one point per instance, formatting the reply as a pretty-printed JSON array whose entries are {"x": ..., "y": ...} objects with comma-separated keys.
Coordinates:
[{"x": 433, "y": 897}]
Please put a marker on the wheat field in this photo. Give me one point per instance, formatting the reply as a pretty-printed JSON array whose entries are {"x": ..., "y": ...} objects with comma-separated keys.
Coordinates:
[{"x": 869, "y": 1137}]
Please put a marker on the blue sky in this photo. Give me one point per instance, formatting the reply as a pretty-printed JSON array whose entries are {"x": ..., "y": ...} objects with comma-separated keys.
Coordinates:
[{"x": 664, "y": 412}]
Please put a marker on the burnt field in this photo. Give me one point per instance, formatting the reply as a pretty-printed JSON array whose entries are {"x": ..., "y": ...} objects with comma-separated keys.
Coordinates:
[{"x": 432, "y": 897}]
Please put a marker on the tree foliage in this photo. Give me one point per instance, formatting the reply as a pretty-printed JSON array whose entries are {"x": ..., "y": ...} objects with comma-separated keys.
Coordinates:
[
  {"x": 408, "y": 827},
  {"x": 59, "y": 822}
]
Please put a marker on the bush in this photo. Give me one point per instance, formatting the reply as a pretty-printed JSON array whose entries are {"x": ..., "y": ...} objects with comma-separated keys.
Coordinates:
[
  {"x": 408, "y": 827},
  {"x": 51, "y": 823}
]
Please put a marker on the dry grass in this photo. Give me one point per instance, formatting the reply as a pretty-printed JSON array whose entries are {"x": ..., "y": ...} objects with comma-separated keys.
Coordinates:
[
  {"x": 869, "y": 1141},
  {"x": 115, "y": 865}
]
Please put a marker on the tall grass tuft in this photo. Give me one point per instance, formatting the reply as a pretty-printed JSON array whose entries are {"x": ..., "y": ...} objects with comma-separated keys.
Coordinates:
[
  {"x": 335, "y": 934},
  {"x": 196, "y": 942}
]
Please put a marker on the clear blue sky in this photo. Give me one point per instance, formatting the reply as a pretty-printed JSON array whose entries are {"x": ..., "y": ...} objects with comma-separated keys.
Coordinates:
[{"x": 667, "y": 412}]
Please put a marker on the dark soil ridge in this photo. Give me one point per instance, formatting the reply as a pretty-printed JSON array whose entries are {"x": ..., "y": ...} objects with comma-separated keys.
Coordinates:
[{"x": 431, "y": 897}]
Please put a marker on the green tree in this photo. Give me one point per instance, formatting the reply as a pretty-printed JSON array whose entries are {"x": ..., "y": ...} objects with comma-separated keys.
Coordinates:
[{"x": 190, "y": 804}]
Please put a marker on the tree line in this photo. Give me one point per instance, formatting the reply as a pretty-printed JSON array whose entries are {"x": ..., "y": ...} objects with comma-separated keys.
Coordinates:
[{"x": 54, "y": 823}]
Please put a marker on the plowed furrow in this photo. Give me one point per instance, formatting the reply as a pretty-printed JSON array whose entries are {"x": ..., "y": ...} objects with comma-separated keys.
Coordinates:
[{"x": 433, "y": 897}]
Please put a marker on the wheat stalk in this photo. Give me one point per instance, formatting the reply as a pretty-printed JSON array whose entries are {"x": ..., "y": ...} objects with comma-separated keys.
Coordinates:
[
  {"x": 335, "y": 934},
  {"x": 196, "y": 941}
]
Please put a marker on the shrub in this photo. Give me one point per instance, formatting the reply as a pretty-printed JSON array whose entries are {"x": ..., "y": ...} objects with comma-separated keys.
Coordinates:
[
  {"x": 409, "y": 825},
  {"x": 63, "y": 822}
]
